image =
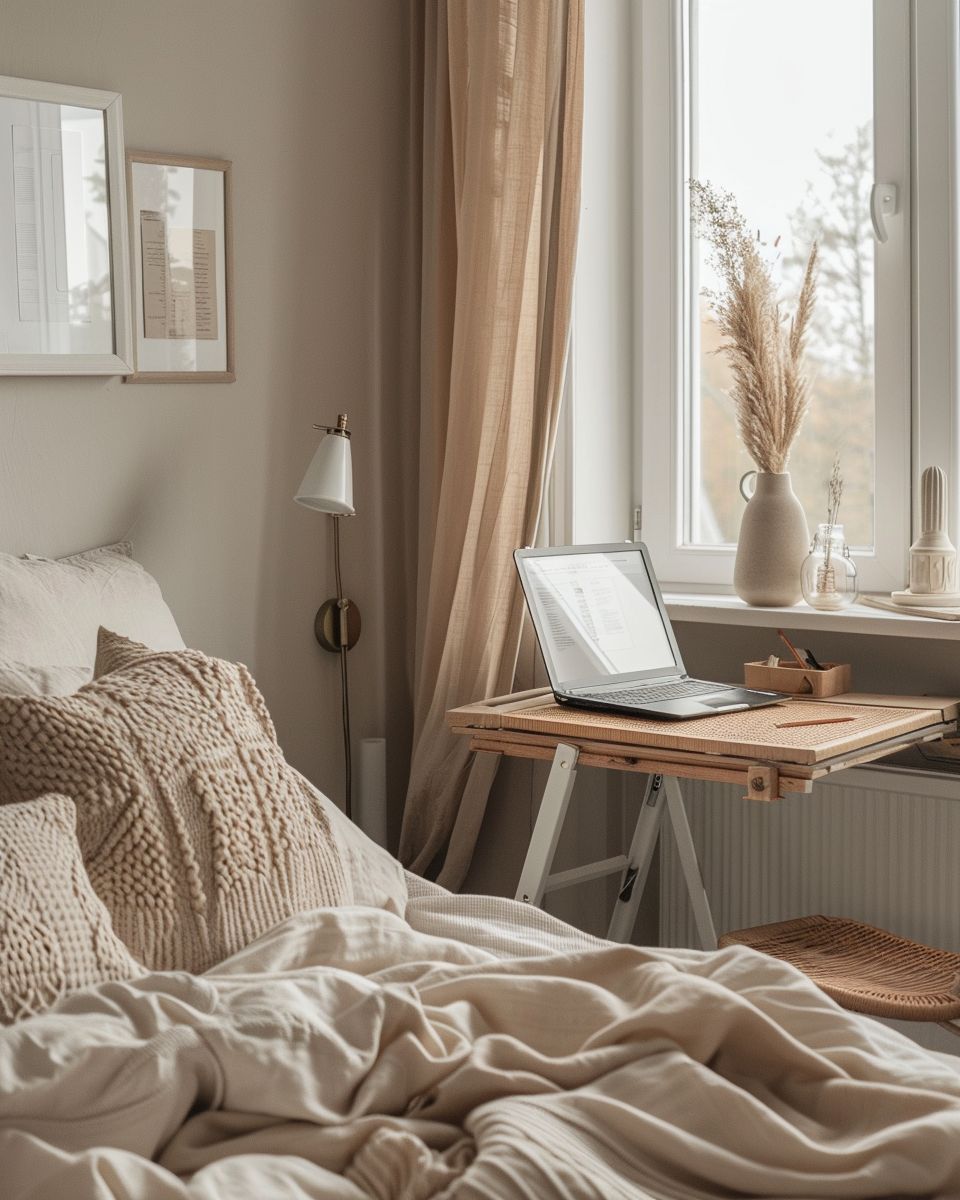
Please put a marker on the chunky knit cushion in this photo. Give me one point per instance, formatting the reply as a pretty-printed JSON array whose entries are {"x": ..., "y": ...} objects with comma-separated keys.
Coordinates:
[
  {"x": 195, "y": 832},
  {"x": 55, "y": 935}
]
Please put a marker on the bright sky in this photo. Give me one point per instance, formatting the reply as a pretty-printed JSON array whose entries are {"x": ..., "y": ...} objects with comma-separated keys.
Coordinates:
[{"x": 777, "y": 80}]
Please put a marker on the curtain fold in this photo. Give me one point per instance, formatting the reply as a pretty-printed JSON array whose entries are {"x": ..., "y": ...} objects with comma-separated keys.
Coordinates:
[{"x": 503, "y": 101}]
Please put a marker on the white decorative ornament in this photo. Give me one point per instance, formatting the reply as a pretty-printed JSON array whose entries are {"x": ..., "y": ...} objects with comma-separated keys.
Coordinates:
[{"x": 933, "y": 558}]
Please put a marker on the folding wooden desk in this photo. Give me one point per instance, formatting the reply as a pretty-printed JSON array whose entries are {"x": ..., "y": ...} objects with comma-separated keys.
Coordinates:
[{"x": 771, "y": 751}]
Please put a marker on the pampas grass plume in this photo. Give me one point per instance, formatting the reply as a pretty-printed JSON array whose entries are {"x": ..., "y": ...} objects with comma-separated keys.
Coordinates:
[{"x": 771, "y": 388}]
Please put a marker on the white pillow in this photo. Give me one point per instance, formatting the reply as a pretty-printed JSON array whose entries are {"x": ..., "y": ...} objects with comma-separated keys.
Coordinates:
[
  {"x": 19, "y": 679},
  {"x": 51, "y": 609}
]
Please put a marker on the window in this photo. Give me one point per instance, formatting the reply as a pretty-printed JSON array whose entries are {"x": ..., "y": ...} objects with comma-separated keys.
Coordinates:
[
  {"x": 799, "y": 108},
  {"x": 801, "y": 167}
]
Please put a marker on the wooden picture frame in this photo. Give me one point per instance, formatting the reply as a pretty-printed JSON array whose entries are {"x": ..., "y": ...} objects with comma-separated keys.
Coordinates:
[
  {"x": 181, "y": 247},
  {"x": 64, "y": 271}
]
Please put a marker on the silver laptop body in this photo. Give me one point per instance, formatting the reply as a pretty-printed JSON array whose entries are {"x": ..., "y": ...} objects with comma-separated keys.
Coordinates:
[{"x": 606, "y": 638}]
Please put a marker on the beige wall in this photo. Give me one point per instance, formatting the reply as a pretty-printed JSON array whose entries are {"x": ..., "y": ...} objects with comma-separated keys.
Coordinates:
[{"x": 308, "y": 98}]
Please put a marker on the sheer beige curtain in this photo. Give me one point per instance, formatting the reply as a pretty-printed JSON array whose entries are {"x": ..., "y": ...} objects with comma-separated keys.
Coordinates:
[{"x": 503, "y": 100}]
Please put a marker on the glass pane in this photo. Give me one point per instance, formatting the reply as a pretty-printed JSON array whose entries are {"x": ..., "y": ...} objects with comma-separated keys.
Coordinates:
[
  {"x": 55, "y": 243},
  {"x": 782, "y": 117}
]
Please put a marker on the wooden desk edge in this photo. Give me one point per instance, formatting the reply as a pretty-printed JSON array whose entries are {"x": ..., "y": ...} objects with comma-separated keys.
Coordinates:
[
  {"x": 947, "y": 706},
  {"x": 640, "y": 763},
  {"x": 791, "y": 777},
  {"x": 485, "y": 714}
]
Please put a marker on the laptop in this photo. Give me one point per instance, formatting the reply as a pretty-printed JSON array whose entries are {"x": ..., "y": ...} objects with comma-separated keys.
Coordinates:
[{"x": 607, "y": 640}]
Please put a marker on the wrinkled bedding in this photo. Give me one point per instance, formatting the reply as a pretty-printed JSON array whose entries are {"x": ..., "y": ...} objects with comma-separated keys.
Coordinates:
[{"x": 475, "y": 1049}]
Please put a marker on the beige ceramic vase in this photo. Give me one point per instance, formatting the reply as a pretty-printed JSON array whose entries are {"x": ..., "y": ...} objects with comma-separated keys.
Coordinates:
[{"x": 774, "y": 541}]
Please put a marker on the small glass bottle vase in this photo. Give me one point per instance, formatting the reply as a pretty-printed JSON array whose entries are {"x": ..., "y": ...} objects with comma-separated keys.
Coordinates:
[{"x": 828, "y": 576}]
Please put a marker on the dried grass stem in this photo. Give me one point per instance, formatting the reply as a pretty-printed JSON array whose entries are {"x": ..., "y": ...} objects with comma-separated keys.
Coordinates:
[{"x": 771, "y": 388}]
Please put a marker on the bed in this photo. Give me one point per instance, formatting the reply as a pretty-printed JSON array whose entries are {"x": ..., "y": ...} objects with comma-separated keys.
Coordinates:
[{"x": 394, "y": 1040}]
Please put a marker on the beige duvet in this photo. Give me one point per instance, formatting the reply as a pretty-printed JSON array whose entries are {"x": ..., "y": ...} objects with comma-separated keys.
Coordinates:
[{"x": 350, "y": 1053}]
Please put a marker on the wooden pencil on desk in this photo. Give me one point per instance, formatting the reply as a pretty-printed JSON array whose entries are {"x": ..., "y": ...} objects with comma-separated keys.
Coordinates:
[{"x": 815, "y": 721}]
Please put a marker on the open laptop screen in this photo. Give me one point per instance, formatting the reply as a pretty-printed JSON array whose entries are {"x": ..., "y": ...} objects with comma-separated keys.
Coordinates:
[{"x": 596, "y": 615}]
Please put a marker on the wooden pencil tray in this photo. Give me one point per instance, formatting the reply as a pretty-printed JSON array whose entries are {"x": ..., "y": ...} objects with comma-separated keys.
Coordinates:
[{"x": 795, "y": 680}]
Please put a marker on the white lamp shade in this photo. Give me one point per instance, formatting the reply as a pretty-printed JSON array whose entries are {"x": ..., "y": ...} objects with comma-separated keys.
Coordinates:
[{"x": 328, "y": 483}]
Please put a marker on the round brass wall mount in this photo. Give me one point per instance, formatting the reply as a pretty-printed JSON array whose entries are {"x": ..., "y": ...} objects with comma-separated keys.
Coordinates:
[{"x": 330, "y": 620}]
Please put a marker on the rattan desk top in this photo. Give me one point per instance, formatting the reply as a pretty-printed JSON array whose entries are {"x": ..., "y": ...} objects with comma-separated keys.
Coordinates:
[{"x": 717, "y": 745}]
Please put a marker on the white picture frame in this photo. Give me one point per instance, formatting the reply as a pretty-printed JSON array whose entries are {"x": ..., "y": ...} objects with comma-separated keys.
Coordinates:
[
  {"x": 64, "y": 262},
  {"x": 182, "y": 256}
]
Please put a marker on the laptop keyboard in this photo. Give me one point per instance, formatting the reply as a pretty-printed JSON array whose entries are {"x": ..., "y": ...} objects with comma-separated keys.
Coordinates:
[{"x": 680, "y": 690}]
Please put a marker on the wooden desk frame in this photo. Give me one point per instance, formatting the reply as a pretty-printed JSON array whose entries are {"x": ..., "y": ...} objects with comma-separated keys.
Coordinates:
[{"x": 487, "y": 725}]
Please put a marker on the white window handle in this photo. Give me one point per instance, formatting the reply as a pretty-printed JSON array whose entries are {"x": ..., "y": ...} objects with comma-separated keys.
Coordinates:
[{"x": 884, "y": 202}]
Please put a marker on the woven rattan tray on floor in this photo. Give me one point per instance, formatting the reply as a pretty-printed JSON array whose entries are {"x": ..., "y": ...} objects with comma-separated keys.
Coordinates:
[{"x": 865, "y": 969}]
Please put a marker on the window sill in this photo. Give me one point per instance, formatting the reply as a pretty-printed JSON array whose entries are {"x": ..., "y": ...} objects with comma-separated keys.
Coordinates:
[{"x": 711, "y": 609}]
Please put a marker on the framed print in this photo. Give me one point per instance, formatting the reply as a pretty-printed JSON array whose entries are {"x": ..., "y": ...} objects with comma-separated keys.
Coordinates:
[
  {"x": 182, "y": 268},
  {"x": 64, "y": 266}
]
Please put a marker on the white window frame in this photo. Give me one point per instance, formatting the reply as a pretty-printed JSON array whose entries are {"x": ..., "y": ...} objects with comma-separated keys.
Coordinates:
[
  {"x": 916, "y": 313},
  {"x": 935, "y": 100}
]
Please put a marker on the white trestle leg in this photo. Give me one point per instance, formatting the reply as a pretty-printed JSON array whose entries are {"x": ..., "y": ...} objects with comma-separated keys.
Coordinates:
[
  {"x": 639, "y": 858},
  {"x": 690, "y": 865},
  {"x": 546, "y": 831},
  {"x": 662, "y": 795}
]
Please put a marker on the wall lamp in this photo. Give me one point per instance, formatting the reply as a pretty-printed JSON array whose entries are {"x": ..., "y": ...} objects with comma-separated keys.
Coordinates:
[{"x": 328, "y": 487}]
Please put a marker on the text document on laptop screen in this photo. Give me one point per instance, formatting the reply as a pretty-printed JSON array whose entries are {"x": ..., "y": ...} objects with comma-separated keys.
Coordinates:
[{"x": 598, "y": 615}]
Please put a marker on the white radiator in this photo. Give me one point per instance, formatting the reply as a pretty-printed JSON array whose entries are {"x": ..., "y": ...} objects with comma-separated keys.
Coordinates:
[{"x": 882, "y": 846}]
